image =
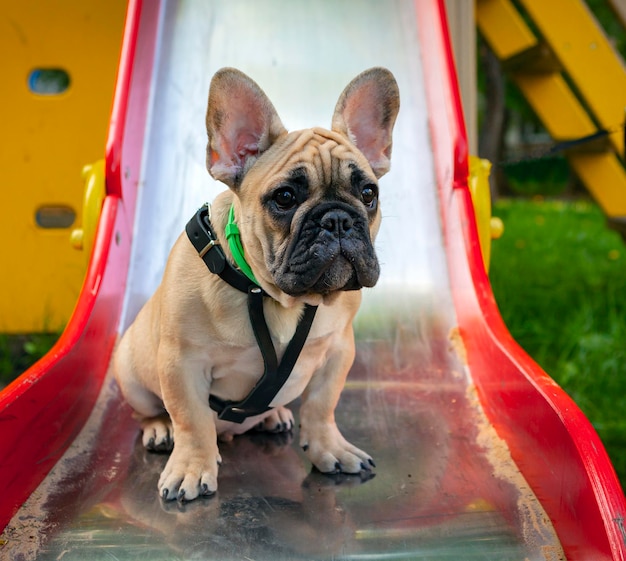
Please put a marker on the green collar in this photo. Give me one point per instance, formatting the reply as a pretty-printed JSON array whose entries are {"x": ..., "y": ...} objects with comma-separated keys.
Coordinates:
[{"x": 233, "y": 236}]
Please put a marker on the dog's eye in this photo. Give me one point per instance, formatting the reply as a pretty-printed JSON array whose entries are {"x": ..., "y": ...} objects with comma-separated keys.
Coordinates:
[
  {"x": 369, "y": 194},
  {"x": 285, "y": 198}
]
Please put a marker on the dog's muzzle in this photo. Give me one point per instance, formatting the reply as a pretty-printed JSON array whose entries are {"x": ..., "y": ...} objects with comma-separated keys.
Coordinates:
[{"x": 332, "y": 251}]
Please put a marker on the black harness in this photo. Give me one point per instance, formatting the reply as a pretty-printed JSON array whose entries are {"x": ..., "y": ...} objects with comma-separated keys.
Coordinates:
[{"x": 201, "y": 234}]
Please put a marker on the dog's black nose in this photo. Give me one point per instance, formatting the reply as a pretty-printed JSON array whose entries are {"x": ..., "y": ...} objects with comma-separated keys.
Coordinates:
[{"x": 337, "y": 222}]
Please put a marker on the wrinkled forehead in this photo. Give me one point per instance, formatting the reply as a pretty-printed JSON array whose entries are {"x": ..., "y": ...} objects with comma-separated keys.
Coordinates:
[{"x": 324, "y": 156}]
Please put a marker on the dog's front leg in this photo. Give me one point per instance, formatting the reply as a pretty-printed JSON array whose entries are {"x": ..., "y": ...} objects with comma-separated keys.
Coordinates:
[
  {"x": 320, "y": 438},
  {"x": 192, "y": 468}
]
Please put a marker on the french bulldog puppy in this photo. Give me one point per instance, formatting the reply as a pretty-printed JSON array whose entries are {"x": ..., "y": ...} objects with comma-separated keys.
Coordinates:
[{"x": 306, "y": 204}]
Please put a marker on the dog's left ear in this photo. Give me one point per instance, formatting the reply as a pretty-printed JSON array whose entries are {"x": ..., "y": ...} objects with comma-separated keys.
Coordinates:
[
  {"x": 241, "y": 124},
  {"x": 366, "y": 112}
]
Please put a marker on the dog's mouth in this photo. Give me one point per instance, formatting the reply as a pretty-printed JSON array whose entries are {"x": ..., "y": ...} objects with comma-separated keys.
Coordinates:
[
  {"x": 339, "y": 276},
  {"x": 333, "y": 253}
]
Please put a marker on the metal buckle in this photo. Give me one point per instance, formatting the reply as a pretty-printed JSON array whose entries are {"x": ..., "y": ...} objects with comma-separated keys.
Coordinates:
[
  {"x": 213, "y": 241},
  {"x": 208, "y": 247}
]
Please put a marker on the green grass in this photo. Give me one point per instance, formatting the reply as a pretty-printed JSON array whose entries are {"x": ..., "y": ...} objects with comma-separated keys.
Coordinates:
[
  {"x": 18, "y": 352},
  {"x": 559, "y": 277}
]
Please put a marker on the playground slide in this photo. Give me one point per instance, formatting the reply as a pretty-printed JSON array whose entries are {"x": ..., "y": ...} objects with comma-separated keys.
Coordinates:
[{"x": 480, "y": 455}]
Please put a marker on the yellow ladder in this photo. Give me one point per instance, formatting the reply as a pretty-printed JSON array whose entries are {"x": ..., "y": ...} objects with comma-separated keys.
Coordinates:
[{"x": 573, "y": 79}]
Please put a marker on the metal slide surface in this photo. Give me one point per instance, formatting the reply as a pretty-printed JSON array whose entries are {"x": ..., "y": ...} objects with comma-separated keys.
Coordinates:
[{"x": 445, "y": 484}]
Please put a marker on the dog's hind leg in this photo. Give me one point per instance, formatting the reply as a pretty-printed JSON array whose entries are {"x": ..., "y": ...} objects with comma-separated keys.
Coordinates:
[
  {"x": 279, "y": 419},
  {"x": 276, "y": 420},
  {"x": 158, "y": 433}
]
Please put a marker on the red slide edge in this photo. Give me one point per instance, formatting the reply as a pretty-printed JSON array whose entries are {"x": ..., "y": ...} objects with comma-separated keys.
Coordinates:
[{"x": 553, "y": 443}]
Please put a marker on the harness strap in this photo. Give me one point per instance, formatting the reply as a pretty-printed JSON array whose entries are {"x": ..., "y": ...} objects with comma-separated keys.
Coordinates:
[{"x": 275, "y": 374}]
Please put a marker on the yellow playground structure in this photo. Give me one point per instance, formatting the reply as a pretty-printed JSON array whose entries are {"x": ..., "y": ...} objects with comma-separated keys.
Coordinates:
[{"x": 59, "y": 65}]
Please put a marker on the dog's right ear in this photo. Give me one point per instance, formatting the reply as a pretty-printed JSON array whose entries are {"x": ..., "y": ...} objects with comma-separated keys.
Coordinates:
[{"x": 241, "y": 124}]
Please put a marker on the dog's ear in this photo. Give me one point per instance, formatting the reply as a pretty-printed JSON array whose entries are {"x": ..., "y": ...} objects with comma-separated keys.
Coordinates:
[
  {"x": 241, "y": 124},
  {"x": 366, "y": 112}
]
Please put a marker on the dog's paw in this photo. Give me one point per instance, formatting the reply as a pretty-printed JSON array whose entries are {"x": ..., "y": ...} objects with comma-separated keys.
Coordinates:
[
  {"x": 189, "y": 475},
  {"x": 331, "y": 453},
  {"x": 279, "y": 419},
  {"x": 158, "y": 434}
]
